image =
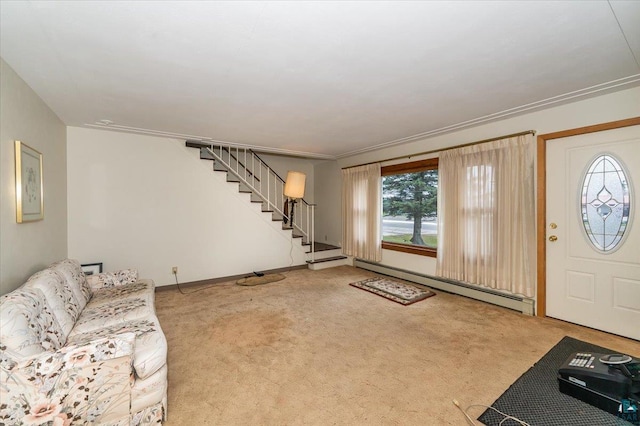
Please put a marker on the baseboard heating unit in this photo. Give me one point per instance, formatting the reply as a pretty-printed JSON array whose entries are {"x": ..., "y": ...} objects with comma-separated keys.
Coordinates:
[{"x": 517, "y": 303}]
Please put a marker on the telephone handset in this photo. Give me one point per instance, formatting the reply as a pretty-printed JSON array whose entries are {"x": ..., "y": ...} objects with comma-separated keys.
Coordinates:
[
  {"x": 615, "y": 359},
  {"x": 623, "y": 363},
  {"x": 603, "y": 380}
]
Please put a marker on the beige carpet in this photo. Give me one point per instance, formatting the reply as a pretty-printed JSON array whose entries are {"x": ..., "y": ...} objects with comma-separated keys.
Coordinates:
[{"x": 312, "y": 350}]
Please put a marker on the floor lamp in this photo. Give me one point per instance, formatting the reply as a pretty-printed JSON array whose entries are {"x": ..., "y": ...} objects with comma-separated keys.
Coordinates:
[{"x": 294, "y": 189}]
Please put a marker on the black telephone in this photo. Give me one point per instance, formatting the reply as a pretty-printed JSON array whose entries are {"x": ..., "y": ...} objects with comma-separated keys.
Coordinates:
[{"x": 602, "y": 380}]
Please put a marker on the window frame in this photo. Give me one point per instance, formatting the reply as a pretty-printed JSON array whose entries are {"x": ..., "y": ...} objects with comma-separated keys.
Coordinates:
[{"x": 398, "y": 169}]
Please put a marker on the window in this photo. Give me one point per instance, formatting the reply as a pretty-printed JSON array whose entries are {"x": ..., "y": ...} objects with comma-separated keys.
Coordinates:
[
  {"x": 605, "y": 203},
  {"x": 486, "y": 223},
  {"x": 478, "y": 211},
  {"x": 410, "y": 208}
]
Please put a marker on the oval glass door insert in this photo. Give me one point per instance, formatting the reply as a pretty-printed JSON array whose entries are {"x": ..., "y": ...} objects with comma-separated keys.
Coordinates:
[{"x": 605, "y": 203}]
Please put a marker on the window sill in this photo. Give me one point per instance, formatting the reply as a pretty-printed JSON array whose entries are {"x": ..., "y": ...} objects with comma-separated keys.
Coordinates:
[{"x": 406, "y": 248}]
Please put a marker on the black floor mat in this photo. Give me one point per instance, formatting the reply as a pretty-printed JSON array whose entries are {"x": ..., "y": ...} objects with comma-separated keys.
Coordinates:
[{"x": 535, "y": 397}]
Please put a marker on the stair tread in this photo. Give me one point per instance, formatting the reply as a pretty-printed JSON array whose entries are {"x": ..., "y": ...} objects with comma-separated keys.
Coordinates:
[
  {"x": 197, "y": 144},
  {"x": 205, "y": 154},
  {"x": 326, "y": 259},
  {"x": 318, "y": 246}
]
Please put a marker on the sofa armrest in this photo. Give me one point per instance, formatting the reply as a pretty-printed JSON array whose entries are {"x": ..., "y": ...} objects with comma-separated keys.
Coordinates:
[
  {"x": 82, "y": 383},
  {"x": 112, "y": 279}
]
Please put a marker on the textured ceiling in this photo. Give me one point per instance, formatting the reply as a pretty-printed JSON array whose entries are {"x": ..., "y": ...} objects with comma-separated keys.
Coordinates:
[{"x": 321, "y": 78}]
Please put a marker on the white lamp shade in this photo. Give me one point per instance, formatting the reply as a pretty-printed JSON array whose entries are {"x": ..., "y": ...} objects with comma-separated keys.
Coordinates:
[{"x": 294, "y": 186}]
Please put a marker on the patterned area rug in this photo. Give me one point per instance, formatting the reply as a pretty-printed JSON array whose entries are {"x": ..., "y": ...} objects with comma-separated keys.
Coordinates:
[{"x": 402, "y": 293}]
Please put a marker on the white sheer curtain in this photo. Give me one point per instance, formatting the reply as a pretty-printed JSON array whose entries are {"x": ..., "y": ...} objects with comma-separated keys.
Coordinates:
[
  {"x": 361, "y": 209},
  {"x": 486, "y": 232}
]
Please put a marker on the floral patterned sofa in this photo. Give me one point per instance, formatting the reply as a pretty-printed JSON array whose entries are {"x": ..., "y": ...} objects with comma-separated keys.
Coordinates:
[{"x": 78, "y": 350}]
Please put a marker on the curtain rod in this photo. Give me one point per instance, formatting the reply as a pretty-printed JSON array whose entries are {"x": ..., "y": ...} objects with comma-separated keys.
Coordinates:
[{"x": 533, "y": 132}]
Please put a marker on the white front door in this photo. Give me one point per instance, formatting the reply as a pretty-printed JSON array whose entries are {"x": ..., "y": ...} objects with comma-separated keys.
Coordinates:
[{"x": 593, "y": 275}]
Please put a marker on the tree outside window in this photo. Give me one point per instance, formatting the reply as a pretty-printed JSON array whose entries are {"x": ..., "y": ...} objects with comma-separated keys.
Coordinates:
[{"x": 409, "y": 201}]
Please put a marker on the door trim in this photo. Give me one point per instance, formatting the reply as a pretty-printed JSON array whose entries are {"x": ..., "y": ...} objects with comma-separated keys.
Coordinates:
[{"x": 541, "y": 204}]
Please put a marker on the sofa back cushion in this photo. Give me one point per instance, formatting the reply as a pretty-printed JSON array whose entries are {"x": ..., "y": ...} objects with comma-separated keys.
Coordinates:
[
  {"x": 112, "y": 279},
  {"x": 59, "y": 297},
  {"x": 27, "y": 325},
  {"x": 75, "y": 279}
]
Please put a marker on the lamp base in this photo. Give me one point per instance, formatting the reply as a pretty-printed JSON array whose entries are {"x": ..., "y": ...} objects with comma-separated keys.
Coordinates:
[{"x": 293, "y": 207}]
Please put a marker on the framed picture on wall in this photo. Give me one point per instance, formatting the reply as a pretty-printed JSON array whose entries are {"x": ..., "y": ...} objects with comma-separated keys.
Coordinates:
[
  {"x": 29, "y": 188},
  {"x": 92, "y": 268}
]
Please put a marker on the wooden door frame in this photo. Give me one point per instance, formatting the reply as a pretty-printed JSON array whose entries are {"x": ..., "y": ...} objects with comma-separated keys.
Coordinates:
[{"x": 541, "y": 219}]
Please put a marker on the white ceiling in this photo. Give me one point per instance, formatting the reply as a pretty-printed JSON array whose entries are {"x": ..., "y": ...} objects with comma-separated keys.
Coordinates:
[{"x": 323, "y": 78}]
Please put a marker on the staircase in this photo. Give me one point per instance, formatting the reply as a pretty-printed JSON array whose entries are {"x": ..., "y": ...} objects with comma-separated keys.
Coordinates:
[
  {"x": 328, "y": 256},
  {"x": 255, "y": 177}
]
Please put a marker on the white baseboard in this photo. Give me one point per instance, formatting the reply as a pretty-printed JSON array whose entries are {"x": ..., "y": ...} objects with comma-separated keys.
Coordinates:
[
  {"x": 331, "y": 264},
  {"x": 517, "y": 303}
]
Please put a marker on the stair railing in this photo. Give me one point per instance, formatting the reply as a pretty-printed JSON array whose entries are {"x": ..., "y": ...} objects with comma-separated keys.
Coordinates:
[{"x": 247, "y": 166}]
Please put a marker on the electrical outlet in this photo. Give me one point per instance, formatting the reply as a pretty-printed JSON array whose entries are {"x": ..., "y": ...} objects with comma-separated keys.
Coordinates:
[{"x": 174, "y": 270}]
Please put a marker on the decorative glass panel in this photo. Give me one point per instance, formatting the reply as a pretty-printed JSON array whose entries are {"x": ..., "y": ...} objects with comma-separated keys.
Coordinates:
[{"x": 605, "y": 203}]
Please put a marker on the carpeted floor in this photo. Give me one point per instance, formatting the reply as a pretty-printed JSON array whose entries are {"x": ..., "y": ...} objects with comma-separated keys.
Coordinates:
[{"x": 312, "y": 350}]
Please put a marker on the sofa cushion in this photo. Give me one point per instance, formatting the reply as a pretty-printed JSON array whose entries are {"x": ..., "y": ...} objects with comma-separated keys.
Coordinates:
[
  {"x": 59, "y": 297},
  {"x": 75, "y": 278},
  {"x": 105, "y": 313},
  {"x": 27, "y": 326},
  {"x": 150, "y": 345},
  {"x": 113, "y": 279},
  {"x": 141, "y": 288}
]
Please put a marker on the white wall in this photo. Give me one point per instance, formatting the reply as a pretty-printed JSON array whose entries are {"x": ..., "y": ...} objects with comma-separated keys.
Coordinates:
[
  {"x": 150, "y": 203},
  {"x": 282, "y": 164},
  {"x": 328, "y": 193},
  {"x": 601, "y": 109},
  {"x": 27, "y": 247}
]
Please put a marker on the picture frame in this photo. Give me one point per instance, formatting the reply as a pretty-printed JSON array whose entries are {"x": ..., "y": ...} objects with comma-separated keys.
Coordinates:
[
  {"x": 92, "y": 268},
  {"x": 29, "y": 184}
]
